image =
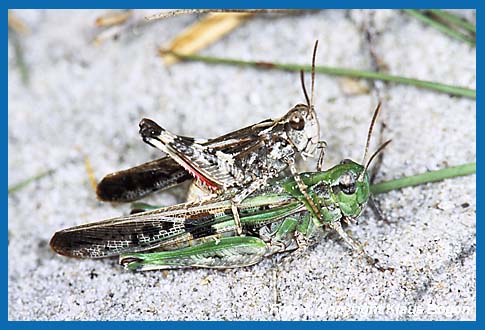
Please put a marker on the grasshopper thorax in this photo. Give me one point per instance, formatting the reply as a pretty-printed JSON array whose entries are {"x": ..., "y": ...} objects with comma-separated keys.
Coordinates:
[{"x": 302, "y": 128}]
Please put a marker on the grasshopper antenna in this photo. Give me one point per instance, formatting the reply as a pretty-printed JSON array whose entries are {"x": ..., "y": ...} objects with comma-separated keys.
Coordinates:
[
  {"x": 302, "y": 78},
  {"x": 375, "y": 154},
  {"x": 313, "y": 72},
  {"x": 309, "y": 101},
  {"x": 371, "y": 128}
]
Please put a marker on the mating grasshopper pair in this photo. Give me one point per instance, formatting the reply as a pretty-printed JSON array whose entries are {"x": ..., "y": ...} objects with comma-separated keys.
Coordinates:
[{"x": 249, "y": 215}]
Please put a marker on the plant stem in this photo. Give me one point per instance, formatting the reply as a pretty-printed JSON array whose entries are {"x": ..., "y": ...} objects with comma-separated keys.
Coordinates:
[
  {"x": 19, "y": 56},
  {"x": 432, "y": 176},
  {"x": 16, "y": 187},
  {"x": 454, "y": 19},
  {"x": 372, "y": 75},
  {"x": 439, "y": 26}
]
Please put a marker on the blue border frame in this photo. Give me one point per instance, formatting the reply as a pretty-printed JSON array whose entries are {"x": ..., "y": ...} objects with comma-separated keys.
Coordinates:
[
  {"x": 9, "y": 4},
  {"x": 240, "y": 4}
]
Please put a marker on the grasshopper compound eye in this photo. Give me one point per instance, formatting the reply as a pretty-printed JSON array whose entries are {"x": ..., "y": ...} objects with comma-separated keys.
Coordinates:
[
  {"x": 297, "y": 122},
  {"x": 347, "y": 183}
]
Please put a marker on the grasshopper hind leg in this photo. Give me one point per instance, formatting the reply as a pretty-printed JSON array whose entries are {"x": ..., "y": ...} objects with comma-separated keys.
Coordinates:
[{"x": 227, "y": 252}]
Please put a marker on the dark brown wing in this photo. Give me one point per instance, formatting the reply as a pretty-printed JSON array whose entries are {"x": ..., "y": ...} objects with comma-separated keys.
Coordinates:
[
  {"x": 163, "y": 173},
  {"x": 136, "y": 182}
]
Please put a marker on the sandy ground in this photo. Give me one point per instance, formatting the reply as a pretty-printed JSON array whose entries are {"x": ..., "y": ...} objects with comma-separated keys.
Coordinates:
[{"x": 87, "y": 100}]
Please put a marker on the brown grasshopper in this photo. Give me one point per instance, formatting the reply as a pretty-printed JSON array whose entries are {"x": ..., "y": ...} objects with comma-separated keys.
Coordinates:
[{"x": 235, "y": 164}]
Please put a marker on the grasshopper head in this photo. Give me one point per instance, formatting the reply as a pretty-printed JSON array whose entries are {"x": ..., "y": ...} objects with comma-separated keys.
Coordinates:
[
  {"x": 302, "y": 128},
  {"x": 349, "y": 181},
  {"x": 343, "y": 190},
  {"x": 349, "y": 187}
]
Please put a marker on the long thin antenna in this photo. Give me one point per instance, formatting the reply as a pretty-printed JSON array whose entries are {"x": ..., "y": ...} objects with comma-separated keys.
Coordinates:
[
  {"x": 302, "y": 78},
  {"x": 369, "y": 133},
  {"x": 313, "y": 72},
  {"x": 376, "y": 153}
]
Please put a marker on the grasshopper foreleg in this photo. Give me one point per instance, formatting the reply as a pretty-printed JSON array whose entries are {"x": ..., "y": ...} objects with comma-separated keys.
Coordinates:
[
  {"x": 357, "y": 246},
  {"x": 304, "y": 190},
  {"x": 322, "y": 145},
  {"x": 373, "y": 205},
  {"x": 337, "y": 226}
]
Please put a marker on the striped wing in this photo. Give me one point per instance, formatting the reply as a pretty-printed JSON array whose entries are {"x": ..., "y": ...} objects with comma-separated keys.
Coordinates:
[{"x": 134, "y": 233}]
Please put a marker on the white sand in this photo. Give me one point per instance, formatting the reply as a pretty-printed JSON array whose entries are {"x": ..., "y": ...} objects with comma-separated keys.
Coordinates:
[{"x": 87, "y": 99}]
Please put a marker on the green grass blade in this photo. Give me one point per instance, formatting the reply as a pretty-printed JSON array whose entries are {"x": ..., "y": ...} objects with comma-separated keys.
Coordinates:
[
  {"x": 439, "y": 26},
  {"x": 372, "y": 75},
  {"x": 454, "y": 19},
  {"x": 19, "y": 56},
  {"x": 433, "y": 176},
  {"x": 22, "y": 184}
]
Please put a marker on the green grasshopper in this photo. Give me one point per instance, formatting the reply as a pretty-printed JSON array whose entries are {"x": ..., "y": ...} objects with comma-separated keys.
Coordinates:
[{"x": 277, "y": 219}]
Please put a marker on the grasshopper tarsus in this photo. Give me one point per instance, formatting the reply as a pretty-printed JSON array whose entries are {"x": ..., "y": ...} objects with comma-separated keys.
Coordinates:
[
  {"x": 377, "y": 211},
  {"x": 374, "y": 262}
]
